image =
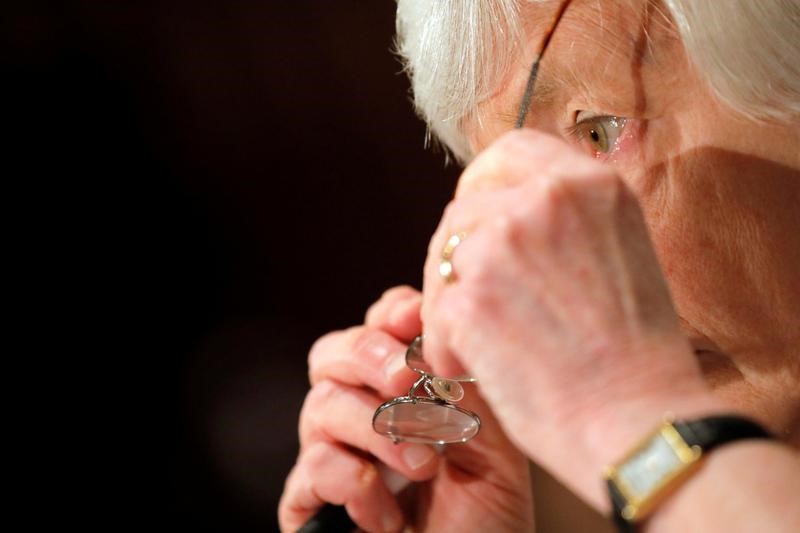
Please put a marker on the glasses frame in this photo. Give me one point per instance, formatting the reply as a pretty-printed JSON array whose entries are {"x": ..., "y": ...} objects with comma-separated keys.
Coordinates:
[
  {"x": 525, "y": 104},
  {"x": 428, "y": 401},
  {"x": 432, "y": 398}
]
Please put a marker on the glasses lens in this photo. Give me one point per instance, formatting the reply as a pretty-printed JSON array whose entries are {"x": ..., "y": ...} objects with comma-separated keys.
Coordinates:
[{"x": 425, "y": 421}]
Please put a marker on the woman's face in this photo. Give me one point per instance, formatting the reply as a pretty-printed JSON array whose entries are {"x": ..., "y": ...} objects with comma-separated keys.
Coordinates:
[{"x": 721, "y": 194}]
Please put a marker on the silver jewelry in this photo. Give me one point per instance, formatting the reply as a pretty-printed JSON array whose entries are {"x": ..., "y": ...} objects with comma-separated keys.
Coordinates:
[{"x": 427, "y": 414}]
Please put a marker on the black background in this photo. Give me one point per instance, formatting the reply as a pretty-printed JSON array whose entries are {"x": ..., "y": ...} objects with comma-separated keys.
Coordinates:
[{"x": 218, "y": 183}]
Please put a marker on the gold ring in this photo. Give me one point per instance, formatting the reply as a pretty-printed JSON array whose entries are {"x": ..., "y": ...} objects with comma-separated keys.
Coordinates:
[{"x": 446, "y": 264}]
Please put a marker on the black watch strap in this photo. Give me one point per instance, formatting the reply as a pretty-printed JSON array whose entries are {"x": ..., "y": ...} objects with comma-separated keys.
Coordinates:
[
  {"x": 617, "y": 504},
  {"x": 707, "y": 433},
  {"x": 713, "y": 431}
]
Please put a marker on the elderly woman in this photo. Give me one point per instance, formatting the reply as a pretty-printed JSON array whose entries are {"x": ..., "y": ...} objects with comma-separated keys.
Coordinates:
[{"x": 633, "y": 250}]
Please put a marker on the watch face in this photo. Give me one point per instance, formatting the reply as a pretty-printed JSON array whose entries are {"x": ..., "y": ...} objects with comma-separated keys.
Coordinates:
[{"x": 647, "y": 472}]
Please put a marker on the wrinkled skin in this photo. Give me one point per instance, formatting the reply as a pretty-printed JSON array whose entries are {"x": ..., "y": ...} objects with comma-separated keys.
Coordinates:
[
  {"x": 598, "y": 286},
  {"x": 352, "y": 372}
]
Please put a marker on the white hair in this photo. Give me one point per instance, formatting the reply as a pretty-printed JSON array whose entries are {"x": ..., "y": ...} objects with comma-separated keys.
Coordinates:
[{"x": 456, "y": 52}]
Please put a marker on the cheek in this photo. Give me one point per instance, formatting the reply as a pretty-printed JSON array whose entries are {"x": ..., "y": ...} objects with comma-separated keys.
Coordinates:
[
  {"x": 721, "y": 223},
  {"x": 775, "y": 406}
]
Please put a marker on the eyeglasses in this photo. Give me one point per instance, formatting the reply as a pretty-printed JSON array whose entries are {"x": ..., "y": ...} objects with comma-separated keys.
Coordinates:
[
  {"x": 525, "y": 105},
  {"x": 428, "y": 414}
]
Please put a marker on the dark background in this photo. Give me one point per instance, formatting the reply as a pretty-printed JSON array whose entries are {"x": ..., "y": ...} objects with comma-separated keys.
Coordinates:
[
  {"x": 194, "y": 192},
  {"x": 219, "y": 183}
]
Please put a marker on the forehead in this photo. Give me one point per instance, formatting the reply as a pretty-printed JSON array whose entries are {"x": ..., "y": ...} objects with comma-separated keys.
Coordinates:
[
  {"x": 597, "y": 46},
  {"x": 621, "y": 19}
]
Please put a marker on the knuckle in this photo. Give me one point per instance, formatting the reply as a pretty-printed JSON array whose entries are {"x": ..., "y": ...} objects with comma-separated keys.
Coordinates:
[
  {"x": 374, "y": 308},
  {"x": 320, "y": 346},
  {"x": 490, "y": 166},
  {"x": 320, "y": 352},
  {"x": 364, "y": 342},
  {"x": 314, "y": 406},
  {"x": 547, "y": 208},
  {"x": 502, "y": 224},
  {"x": 399, "y": 292},
  {"x": 322, "y": 393},
  {"x": 388, "y": 301},
  {"x": 518, "y": 139},
  {"x": 481, "y": 273},
  {"x": 305, "y": 426},
  {"x": 317, "y": 456},
  {"x": 368, "y": 474},
  {"x": 448, "y": 214},
  {"x": 509, "y": 228},
  {"x": 532, "y": 144},
  {"x": 553, "y": 192}
]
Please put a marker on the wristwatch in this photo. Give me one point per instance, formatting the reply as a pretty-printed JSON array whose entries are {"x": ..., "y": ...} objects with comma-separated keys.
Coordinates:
[{"x": 666, "y": 457}]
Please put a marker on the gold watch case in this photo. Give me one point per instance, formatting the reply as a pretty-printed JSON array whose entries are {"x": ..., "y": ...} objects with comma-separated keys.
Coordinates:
[{"x": 652, "y": 469}]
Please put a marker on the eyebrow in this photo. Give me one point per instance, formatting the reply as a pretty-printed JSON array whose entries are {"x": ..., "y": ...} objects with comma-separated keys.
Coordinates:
[
  {"x": 530, "y": 86},
  {"x": 546, "y": 91}
]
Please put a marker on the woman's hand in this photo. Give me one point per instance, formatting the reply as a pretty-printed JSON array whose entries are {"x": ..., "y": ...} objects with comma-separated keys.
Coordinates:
[
  {"x": 482, "y": 485},
  {"x": 558, "y": 308}
]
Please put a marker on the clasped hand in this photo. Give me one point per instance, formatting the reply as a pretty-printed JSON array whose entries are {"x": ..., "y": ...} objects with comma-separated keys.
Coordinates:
[{"x": 558, "y": 308}]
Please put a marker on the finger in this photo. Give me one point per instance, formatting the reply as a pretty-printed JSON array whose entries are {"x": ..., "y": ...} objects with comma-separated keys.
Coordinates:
[
  {"x": 467, "y": 311},
  {"x": 520, "y": 156},
  {"x": 477, "y": 456},
  {"x": 361, "y": 356},
  {"x": 397, "y": 313},
  {"x": 462, "y": 216},
  {"x": 329, "y": 473},
  {"x": 334, "y": 412},
  {"x": 438, "y": 354}
]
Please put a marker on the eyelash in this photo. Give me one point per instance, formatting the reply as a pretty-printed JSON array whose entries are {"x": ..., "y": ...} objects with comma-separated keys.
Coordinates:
[{"x": 581, "y": 129}]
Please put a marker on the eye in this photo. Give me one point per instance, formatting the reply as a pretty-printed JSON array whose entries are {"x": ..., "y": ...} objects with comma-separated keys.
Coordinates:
[{"x": 598, "y": 133}]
